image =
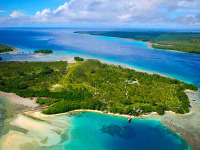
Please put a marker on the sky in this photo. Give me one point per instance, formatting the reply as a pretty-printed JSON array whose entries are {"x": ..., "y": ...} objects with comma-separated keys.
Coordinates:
[{"x": 100, "y": 13}]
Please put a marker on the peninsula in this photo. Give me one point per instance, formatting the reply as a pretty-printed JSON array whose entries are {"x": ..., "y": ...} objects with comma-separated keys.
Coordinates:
[
  {"x": 94, "y": 85},
  {"x": 188, "y": 42},
  {"x": 5, "y": 48}
]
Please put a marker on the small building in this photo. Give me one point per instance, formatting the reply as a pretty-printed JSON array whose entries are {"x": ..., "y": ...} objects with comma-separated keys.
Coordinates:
[
  {"x": 135, "y": 82},
  {"x": 129, "y": 82},
  {"x": 105, "y": 112}
]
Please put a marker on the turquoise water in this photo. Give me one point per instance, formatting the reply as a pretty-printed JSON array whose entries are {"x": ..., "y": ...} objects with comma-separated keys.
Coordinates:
[{"x": 104, "y": 132}]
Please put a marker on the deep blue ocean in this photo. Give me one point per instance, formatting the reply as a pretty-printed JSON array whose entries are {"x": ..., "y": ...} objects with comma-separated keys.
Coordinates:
[{"x": 97, "y": 131}]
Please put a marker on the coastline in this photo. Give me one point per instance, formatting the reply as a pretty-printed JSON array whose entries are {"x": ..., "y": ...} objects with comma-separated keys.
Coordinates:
[
  {"x": 148, "y": 43},
  {"x": 187, "y": 125},
  {"x": 13, "y": 98},
  {"x": 31, "y": 130},
  {"x": 31, "y": 114},
  {"x": 11, "y": 52},
  {"x": 177, "y": 123},
  {"x": 110, "y": 62}
]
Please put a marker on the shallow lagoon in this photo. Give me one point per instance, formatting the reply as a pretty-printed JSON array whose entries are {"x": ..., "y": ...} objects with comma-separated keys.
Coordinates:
[{"x": 99, "y": 131}]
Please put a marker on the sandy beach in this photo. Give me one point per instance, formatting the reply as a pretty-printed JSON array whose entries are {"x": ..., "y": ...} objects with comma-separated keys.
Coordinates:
[
  {"x": 69, "y": 60},
  {"x": 13, "y": 98},
  {"x": 41, "y": 131}
]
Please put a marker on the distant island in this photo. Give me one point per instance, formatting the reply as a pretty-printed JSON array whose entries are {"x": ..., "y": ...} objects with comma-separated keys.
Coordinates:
[
  {"x": 5, "y": 48},
  {"x": 43, "y": 51},
  {"x": 188, "y": 42},
  {"x": 90, "y": 84},
  {"x": 78, "y": 59}
]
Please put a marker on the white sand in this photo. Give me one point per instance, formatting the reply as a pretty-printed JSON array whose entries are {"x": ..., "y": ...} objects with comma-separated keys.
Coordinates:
[
  {"x": 69, "y": 60},
  {"x": 14, "y": 139},
  {"x": 13, "y": 98},
  {"x": 46, "y": 131}
]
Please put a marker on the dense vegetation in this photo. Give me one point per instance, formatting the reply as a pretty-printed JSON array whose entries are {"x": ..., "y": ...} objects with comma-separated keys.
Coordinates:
[
  {"x": 93, "y": 85},
  {"x": 5, "y": 48},
  {"x": 78, "y": 59},
  {"x": 188, "y": 42},
  {"x": 44, "y": 51},
  {"x": 29, "y": 78}
]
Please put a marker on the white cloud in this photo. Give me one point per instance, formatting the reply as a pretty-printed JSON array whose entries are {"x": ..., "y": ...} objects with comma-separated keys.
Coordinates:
[
  {"x": 16, "y": 13},
  {"x": 104, "y": 11},
  {"x": 191, "y": 19},
  {"x": 43, "y": 15},
  {"x": 114, "y": 12},
  {"x": 189, "y": 3},
  {"x": 61, "y": 7},
  {"x": 2, "y": 11}
]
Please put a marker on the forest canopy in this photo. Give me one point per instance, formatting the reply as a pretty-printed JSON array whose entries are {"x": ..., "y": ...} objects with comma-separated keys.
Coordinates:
[
  {"x": 94, "y": 85},
  {"x": 78, "y": 59},
  {"x": 44, "y": 51},
  {"x": 5, "y": 48}
]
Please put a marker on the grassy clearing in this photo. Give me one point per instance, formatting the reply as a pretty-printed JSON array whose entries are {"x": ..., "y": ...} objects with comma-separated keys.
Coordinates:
[{"x": 63, "y": 82}]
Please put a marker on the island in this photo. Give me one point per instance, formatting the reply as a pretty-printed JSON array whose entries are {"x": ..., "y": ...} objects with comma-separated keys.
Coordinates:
[
  {"x": 78, "y": 59},
  {"x": 5, "y": 48},
  {"x": 43, "y": 51},
  {"x": 188, "y": 42},
  {"x": 61, "y": 87}
]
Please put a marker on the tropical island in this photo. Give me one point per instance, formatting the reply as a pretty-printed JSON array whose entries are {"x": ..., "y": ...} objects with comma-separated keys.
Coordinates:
[
  {"x": 43, "y": 51},
  {"x": 5, "y": 48},
  {"x": 188, "y": 42},
  {"x": 90, "y": 84}
]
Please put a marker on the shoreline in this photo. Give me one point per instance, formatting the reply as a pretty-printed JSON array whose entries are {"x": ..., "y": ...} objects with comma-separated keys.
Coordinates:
[
  {"x": 11, "y": 52},
  {"x": 124, "y": 65},
  {"x": 110, "y": 62},
  {"x": 177, "y": 123},
  {"x": 13, "y": 98},
  {"x": 170, "y": 120},
  {"x": 148, "y": 43}
]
